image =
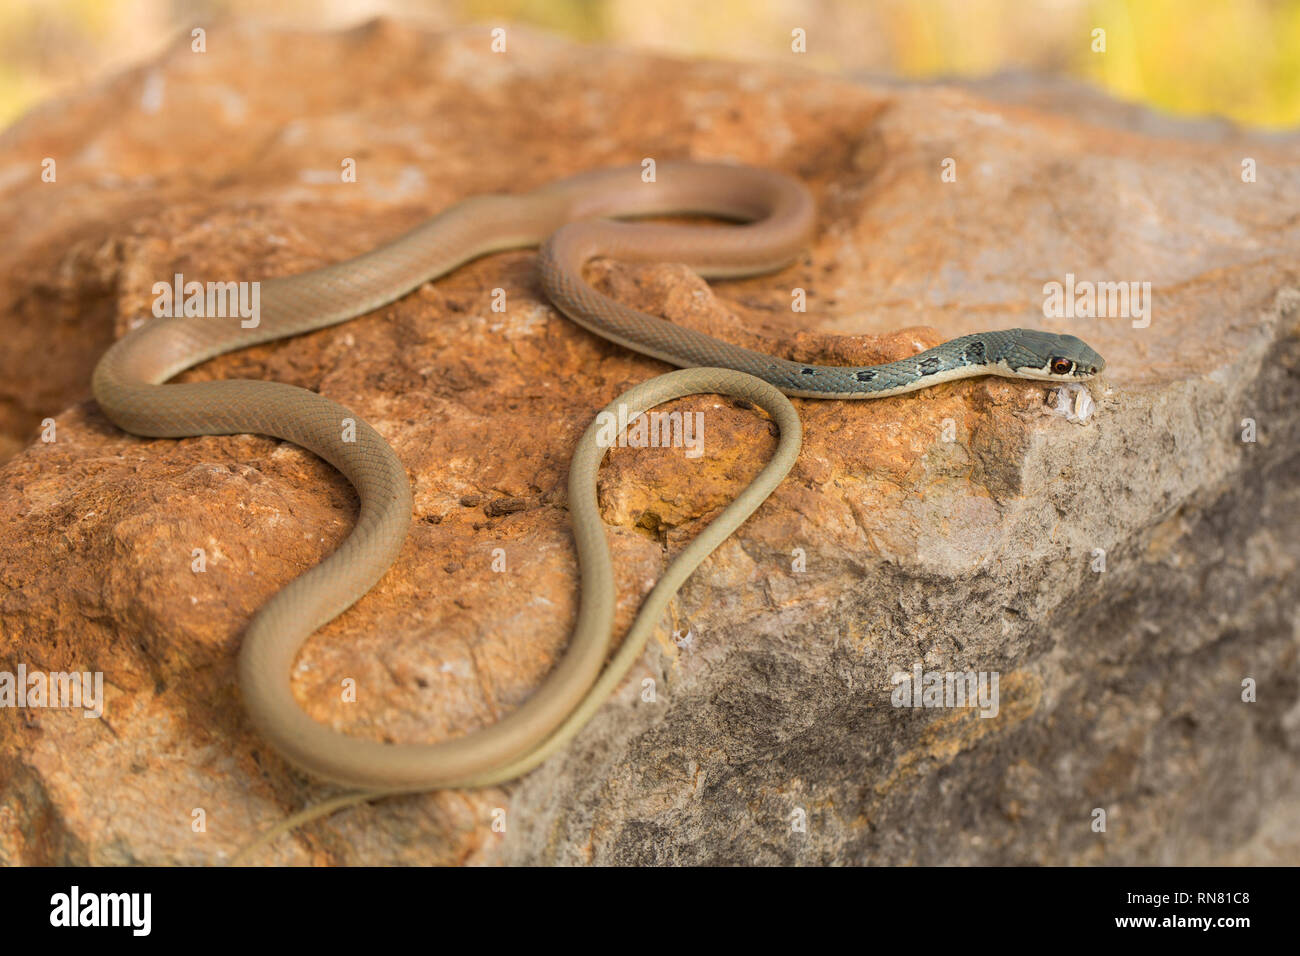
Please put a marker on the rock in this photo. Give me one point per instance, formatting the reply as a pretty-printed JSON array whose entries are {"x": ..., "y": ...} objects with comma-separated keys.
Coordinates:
[{"x": 959, "y": 529}]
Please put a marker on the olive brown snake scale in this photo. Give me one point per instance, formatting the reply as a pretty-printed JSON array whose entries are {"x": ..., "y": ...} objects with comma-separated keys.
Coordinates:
[{"x": 566, "y": 218}]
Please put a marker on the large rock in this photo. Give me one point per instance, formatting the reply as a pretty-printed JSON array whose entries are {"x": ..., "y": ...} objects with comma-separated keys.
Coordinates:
[{"x": 959, "y": 529}]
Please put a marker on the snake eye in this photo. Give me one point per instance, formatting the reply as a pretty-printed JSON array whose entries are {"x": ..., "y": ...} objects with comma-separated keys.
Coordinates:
[{"x": 1061, "y": 366}]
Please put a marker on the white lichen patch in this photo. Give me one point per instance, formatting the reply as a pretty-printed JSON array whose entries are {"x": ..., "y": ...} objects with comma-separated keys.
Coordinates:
[{"x": 1074, "y": 402}]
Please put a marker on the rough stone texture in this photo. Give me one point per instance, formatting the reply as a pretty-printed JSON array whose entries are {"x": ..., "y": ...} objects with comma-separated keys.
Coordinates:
[{"x": 1119, "y": 690}]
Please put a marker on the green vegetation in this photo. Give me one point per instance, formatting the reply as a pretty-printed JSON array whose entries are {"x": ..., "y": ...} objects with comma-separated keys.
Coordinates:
[{"x": 1235, "y": 58}]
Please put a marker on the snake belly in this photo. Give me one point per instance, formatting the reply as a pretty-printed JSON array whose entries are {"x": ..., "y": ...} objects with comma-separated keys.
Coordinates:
[{"x": 571, "y": 220}]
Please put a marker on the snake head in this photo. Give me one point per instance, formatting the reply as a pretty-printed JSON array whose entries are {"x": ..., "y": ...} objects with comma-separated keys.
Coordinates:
[{"x": 1050, "y": 356}]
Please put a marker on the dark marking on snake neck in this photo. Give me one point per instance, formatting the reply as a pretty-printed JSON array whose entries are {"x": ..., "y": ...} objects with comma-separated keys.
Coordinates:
[
  {"x": 974, "y": 353},
  {"x": 930, "y": 365},
  {"x": 866, "y": 375},
  {"x": 809, "y": 371}
]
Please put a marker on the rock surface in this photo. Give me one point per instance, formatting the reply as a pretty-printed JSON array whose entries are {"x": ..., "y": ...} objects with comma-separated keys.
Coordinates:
[{"x": 958, "y": 529}]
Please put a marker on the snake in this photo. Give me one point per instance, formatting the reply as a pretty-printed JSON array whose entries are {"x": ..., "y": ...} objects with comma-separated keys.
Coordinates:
[{"x": 768, "y": 220}]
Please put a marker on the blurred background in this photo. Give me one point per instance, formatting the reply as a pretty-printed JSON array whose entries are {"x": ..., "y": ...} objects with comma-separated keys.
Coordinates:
[{"x": 1239, "y": 59}]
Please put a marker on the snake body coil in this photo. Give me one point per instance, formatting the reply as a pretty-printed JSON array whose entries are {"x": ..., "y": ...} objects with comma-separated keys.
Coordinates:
[{"x": 567, "y": 218}]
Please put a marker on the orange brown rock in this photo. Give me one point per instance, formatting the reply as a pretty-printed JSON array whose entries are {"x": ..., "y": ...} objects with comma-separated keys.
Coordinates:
[{"x": 1121, "y": 689}]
